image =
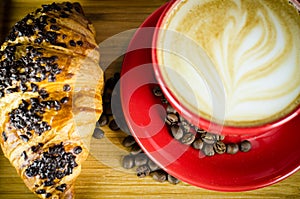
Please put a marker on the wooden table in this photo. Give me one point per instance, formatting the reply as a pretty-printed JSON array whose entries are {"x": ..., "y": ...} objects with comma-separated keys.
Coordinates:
[{"x": 102, "y": 176}]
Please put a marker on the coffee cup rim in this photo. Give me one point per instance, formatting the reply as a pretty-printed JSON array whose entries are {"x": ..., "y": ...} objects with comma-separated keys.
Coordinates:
[{"x": 243, "y": 132}]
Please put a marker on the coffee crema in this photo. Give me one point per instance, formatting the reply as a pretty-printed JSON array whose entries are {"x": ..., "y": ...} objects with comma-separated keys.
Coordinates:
[{"x": 237, "y": 61}]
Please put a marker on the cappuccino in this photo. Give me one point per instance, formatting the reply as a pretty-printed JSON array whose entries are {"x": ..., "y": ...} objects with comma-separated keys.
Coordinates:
[{"x": 233, "y": 61}]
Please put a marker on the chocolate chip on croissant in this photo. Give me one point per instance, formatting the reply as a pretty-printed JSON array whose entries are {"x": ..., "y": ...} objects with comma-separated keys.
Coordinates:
[{"x": 50, "y": 97}]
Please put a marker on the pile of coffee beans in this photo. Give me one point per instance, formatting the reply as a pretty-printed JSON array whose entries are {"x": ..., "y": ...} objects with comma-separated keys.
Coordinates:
[
  {"x": 188, "y": 134},
  {"x": 107, "y": 110},
  {"x": 142, "y": 164},
  {"x": 136, "y": 158},
  {"x": 180, "y": 129},
  {"x": 208, "y": 143}
]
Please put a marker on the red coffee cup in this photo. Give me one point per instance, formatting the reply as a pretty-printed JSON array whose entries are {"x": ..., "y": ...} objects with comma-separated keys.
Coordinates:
[{"x": 170, "y": 30}]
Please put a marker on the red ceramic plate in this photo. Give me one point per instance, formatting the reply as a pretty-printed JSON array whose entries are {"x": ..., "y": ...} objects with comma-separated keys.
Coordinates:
[{"x": 274, "y": 156}]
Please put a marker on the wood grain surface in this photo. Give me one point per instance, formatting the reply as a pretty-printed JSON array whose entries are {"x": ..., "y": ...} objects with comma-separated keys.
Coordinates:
[{"x": 102, "y": 176}]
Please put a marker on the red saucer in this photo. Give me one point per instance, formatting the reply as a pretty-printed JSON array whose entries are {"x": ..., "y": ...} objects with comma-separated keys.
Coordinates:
[{"x": 273, "y": 157}]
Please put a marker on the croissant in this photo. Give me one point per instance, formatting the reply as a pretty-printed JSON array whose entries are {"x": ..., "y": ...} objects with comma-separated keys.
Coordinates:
[{"x": 50, "y": 97}]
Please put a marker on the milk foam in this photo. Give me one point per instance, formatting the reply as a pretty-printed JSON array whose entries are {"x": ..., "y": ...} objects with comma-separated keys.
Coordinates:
[{"x": 245, "y": 53}]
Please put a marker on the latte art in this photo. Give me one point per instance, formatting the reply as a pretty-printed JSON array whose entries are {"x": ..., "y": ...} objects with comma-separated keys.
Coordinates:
[{"x": 252, "y": 45}]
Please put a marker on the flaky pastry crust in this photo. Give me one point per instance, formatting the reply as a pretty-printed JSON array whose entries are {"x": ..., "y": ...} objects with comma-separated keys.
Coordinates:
[{"x": 50, "y": 97}]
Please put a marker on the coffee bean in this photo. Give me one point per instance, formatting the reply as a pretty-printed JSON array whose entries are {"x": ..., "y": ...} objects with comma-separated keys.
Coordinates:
[
  {"x": 40, "y": 191},
  {"x": 79, "y": 43},
  {"x": 24, "y": 155},
  {"x": 220, "y": 137},
  {"x": 52, "y": 20},
  {"x": 185, "y": 126},
  {"x": 128, "y": 141},
  {"x": 170, "y": 109},
  {"x": 188, "y": 138},
  {"x": 159, "y": 176},
  {"x": 140, "y": 159},
  {"x": 103, "y": 120},
  {"x": 64, "y": 15},
  {"x": 183, "y": 121},
  {"x": 232, "y": 148},
  {"x": 157, "y": 92},
  {"x": 142, "y": 171},
  {"x": 61, "y": 187},
  {"x": 48, "y": 183},
  {"x": 172, "y": 179},
  {"x": 34, "y": 149},
  {"x": 66, "y": 88},
  {"x": 23, "y": 87},
  {"x": 209, "y": 138},
  {"x": 220, "y": 147},
  {"x": 177, "y": 132},
  {"x": 198, "y": 144},
  {"x": 2, "y": 93},
  {"x": 128, "y": 162},
  {"x": 171, "y": 119},
  {"x": 208, "y": 150},
  {"x": 4, "y": 136},
  {"x": 113, "y": 125},
  {"x": 25, "y": 138},
  {"x": 34, "y": 87},
  {"x": 98, "y": 133},
  {"x": 64, "y": 100},
  {"x": 61, "y": 44},
  {"x": 135, "y": 149},
  {"x": 245, "y": 146},
  {"x": 60, "y": 174},
  {"x": 54, "y": 27},
  {"x": 69, "y": 7},
  {"x": 152, "y": 165},
  {"x": 77, "y": 150},
  {"x": 201, "y": 131},
  {"x": 72, "y": 43},
  {"x": 164, "y": 100},
  {"x": 57, "y": 105}
]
